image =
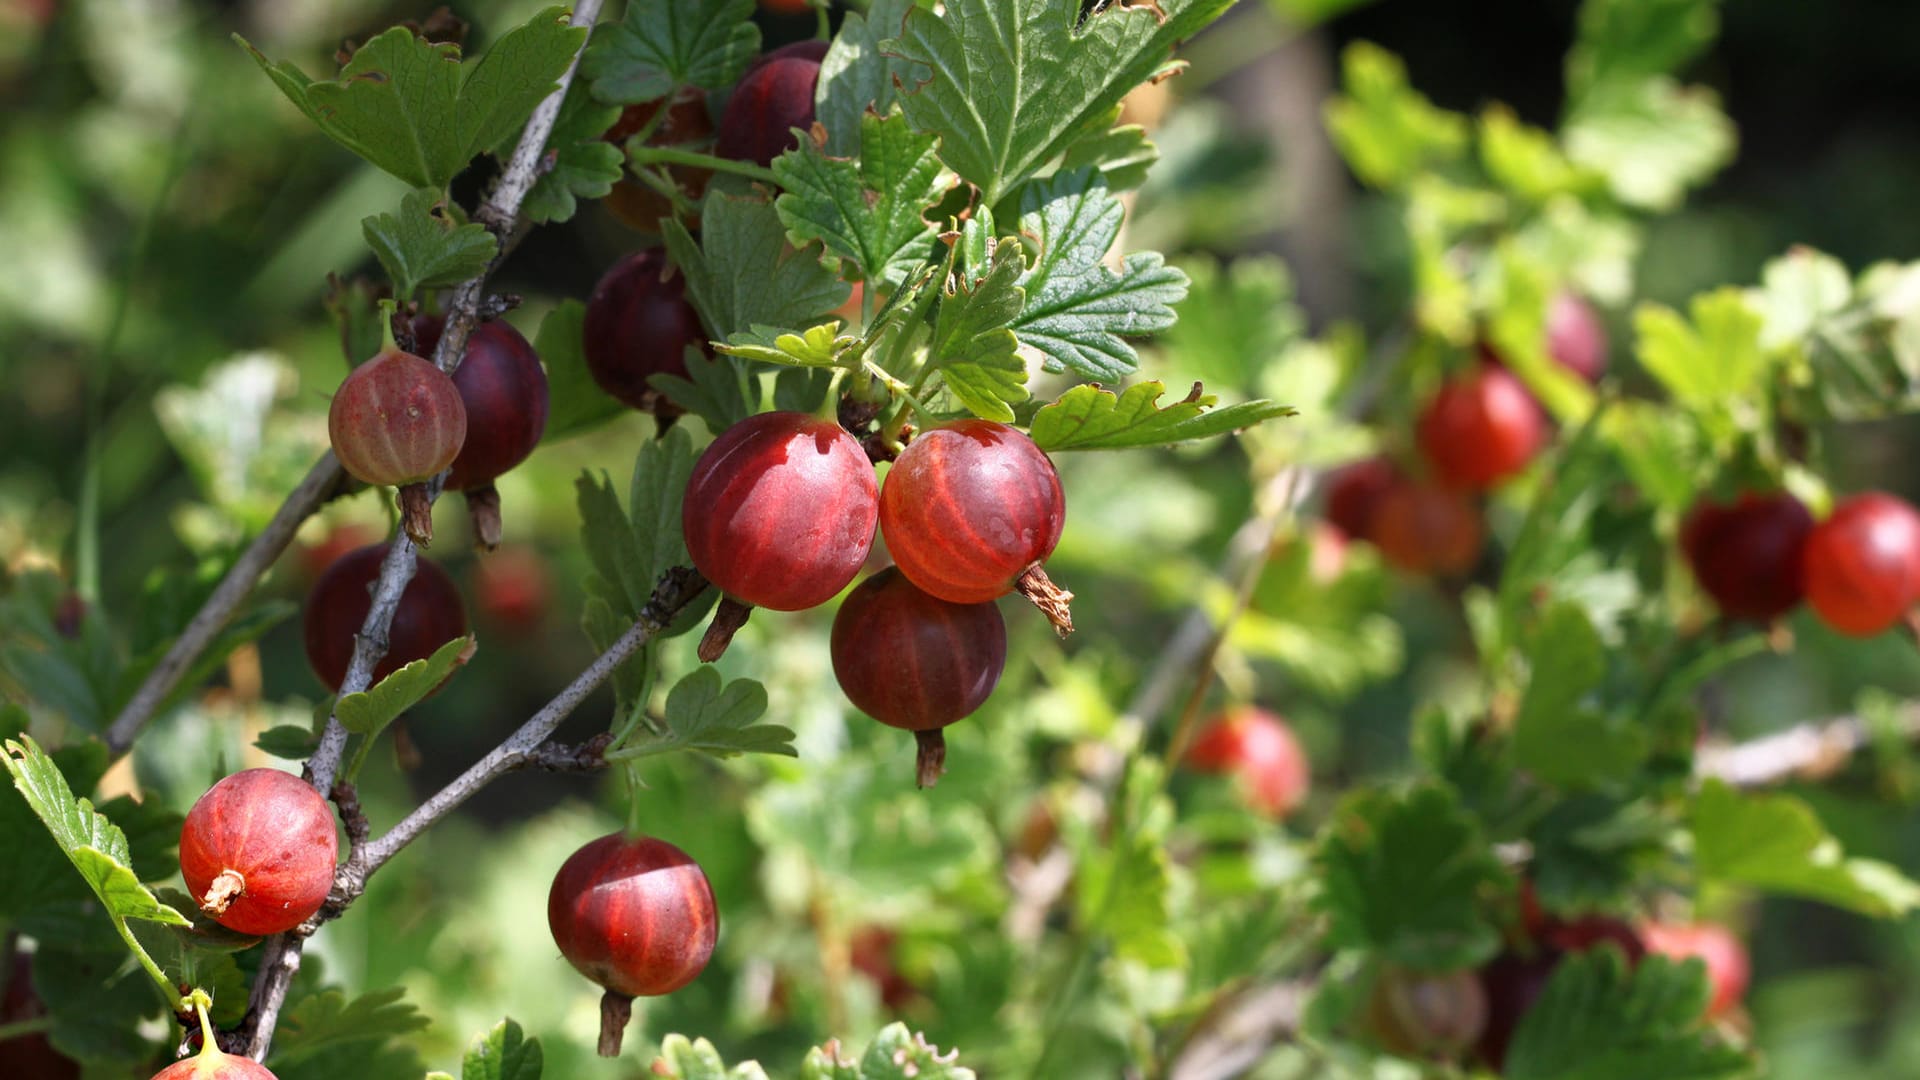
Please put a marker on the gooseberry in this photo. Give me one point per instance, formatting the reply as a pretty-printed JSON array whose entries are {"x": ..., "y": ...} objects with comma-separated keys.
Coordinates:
[
  {"x": 1747, "y": 554},
  {"x": 1511, "y": 983},
  {"x": 970, "y": 510},
  {"x": 429, "y": 615},
  {"x": 1260, "y": 752},
  {"x": 1861, "y": 566},
  {"x": 638, "y": 324},
  {"x": 1427, "y": 530},
  {"x": 215, "y": 1065},
  {"x": 257, "y": 851},
  {"x": 1480, "y": 428},
  {"x": 513, "y": 588},
  {"x": 1576, "y": 337},
  {"x": 870, "y": 952},
  {"x": 1427, "y": 1015},
  {"x": 686, "y": 123},
  {"x": 1354, "y": 492},
  {"x": 504, "y": 390},
  {"x": 398, "y": 420},
  {"x": 773, "y": 97},
  {"x": 635, "y": 915},
  {"x": 914, "y": 661},
  {"x": 1715, "y": 946}
]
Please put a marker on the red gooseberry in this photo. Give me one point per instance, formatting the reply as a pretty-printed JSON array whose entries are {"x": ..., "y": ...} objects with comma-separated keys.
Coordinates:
[
  {"x": 514, "y": 587},
  {"x": 870, "y": 952},
  {"x": 1354, "y": 492},
  {"x": 504, "y": 389},
  {"x": 257, "y": 851},
  {"x": 1747, "y": 554},
  {"x": 1480, "y": 428},
  {"x": 970, "y": 510},
  {"x": 1511, "y": 984},
  {"x": 1427, "y": 1015},
  {"x": 686, "y": 123},
  {"x": 430, "y": 615},
  {"x": 773, "y": 97},
  {"x": 635, "y": 915},
  {"x": 398, "y": 420},
  {"x": 214, "y": 1065},
  {"x": 1714, "y": 946},
  {"x": 1260, "y": 752},
  {"x": 1575, "y": 336},
  {"x": 638, "y": 324},
  {"x": 1861, "y": 566},
  {"x": 914, "y": 661},
  {"x": 1427, "y": 530}
]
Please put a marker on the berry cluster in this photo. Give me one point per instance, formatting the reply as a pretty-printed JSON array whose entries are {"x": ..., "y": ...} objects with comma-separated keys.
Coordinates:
[
  {"x": 781, "y": 513},
  {"x": 1480, "y": 429}
]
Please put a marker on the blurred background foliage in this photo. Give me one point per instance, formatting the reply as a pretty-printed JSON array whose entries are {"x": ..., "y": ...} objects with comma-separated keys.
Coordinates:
[{"x": 169, "y": 224}]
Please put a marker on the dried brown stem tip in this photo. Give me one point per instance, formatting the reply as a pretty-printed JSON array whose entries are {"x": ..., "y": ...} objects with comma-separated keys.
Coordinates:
[
  {"x": 1051, "y": 599},
  {"x": 728, "y": 618},
  {"x": 616, "y": 1010},
  {"x": 483, "y": 507},
  {"x": 229, "y": 886},
  {"x": 416, "y": 513},
  {"x": 931, "y": 761}
]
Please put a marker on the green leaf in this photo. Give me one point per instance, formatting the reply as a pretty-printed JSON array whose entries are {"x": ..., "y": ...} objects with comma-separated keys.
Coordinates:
[
  {"x": 1715, "y": 359},
  {"x": 1401, "y": 874},
  {"x": 1235, "y": 323},
  {"x": 585, "y": 165},
  {"x": 1557, "y": 736},
  {"x": 411, "y": 108},
  {"x": 290, "y": 741},
  {"x": 1522, "y": 158},
  {"x": 1122, "y": 155},
  {"x": 1387, "y": 131},
  {"x": 668, "y": 44},
  {"x": 1651, "y": 138},
  {"x": 1596, "y": 1020},
  {"x": 714, "y": 390},
  {"x": 1008, "y": 85},
  {"x": 370, "y": 711},
  {"x": 204, "y": 962},
  {"x": 1078, "y": 311},
  {"x": 698, "y": 1060},
  {"x": 1124, "y": 889},
  {"x": 152, "y": 830},
  {"x": 857, "y": 75},
  {"x": 1798, "y": 292},
  {"x": 899, "y": 1054},
  {"x": 869, "y": 210},
  {"x": 1089, "y": 418},
  {"x": 1777, "y": 844},
  {"x": 742, "y": 272},
  {"x": 576, "y": 402},
  {"x": 1627, "y": 39},
  {"x": 421, "y": 247},
  {"x": 820, "y": 346},
  {"x": 98, "y": 1006},
  {"x": 503, "y": 1053},
  {"x": 703, "y": 715},
  {"x": 96, "y": 846},
  {"x": 321, "y": 1022},
  {"x": 1590, "y": 849},
  {"x": 972, "y": 346}
]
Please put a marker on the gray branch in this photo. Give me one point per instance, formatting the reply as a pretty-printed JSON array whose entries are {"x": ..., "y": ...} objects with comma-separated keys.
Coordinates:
[{"x": 500, "y": 213}]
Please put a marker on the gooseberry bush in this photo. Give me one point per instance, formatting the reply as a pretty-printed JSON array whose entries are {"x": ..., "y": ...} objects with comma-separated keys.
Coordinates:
[{"x": 873, "y": 326}]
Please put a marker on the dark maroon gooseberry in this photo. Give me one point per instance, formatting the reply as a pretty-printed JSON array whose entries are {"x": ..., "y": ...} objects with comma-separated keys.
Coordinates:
[
  {"x": 430, "y": 615},
  {"x": 635, "y": 915},
  {"x": 779, "y": 513},
  {"x": 1480, "y": 429},
  {"x": 774, "y": 97},
  {"x": 398, "y": 420},
  {"x": 1746, "y": 554},
  {"x": 504, "y": 389},
  {"x": 257, "y": 851},
  {"x": 916, "y": 662},
  {"x": 638, "y": 325},
  {"x": 1511, "y": 983},
  {"x": 970, "y": 510},
  {"x": 1354, "y": 491},
  {"x": 1861, "y": 566}
]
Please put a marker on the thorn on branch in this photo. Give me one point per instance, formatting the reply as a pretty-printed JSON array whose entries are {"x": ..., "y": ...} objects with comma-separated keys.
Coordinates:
[{"x": 496, "y": 305}]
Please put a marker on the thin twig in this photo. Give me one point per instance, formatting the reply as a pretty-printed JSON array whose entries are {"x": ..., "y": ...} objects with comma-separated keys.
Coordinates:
[
  {"x": 500, "y": 213},
  {"x": 322, "y": 482},
  {"x": 1814, "y": 750}
]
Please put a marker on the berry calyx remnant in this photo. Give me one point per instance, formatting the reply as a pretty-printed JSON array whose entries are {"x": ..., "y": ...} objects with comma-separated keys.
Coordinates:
[
  {"x": 257, "y": 851},
  {"x": 635, "y": 915},
  {"x": 914, "y": 661},
  {"x": 430, "y": 615},
  {"x": 397, "y": 420}
]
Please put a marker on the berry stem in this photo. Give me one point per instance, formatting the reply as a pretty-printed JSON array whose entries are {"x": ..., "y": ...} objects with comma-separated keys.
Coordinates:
[
  {"x": 905, "y": 391},
  {"x": 728, "y": 618},
  {"x": 416, "y": 513},
  {"x": 616, "y": 1011},
  {"x": 1051, "y": 599},
  {"x": 667, "y": 155},
  {"x": 930, "y": 761},
  {"x": 483, "y": 508}
]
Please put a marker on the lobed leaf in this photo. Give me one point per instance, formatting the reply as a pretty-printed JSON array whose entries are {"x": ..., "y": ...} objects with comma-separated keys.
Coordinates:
[
  {"x": 671, "y": 43},
  {"x": 1090, "y": 418},
  {"x": 869, "y": 209},
  {"x": 1777, "y": 844},
  {"x": 721, "y": 720},
  {"x": 421, "y": 247},
  {"x": 503, "y": 1053},
  {"x": 1597, "y": 1020},
  {"x": 575, "y": 402},
  {"x": 371, "y": 710},
  {"x": 742, "y": 272}
]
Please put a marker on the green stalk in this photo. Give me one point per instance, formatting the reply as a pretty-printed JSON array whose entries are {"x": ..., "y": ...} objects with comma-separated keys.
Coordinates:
[
  {"x": 667, "y": 155},
  {"x": 21, "y": 1028},
  {"x": 167, "y": 989}
]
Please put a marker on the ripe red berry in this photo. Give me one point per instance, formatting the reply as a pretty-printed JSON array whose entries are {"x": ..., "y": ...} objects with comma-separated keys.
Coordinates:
[
  {"x": 1723, "y": 954},
  {"x": 398, "y": 420},
  {"x": 687, "y": 123},
  {"x": 1260, "y": 752},
  {"x": 915, "y": 661},
  {"x": 635, "y": 915},
  {"x": 772, "y": 98},
  {"x": 1422, "y": 1015},
  {"x": 970, "y": 510},
  {"x": 1427, "y": 530},
  {"x": 1861, "y": 566},
  {"x": 1354, "y": 492},
  {"x": 514, "y": 588},
  {"x": 780, "y": 510},
  {"x": 638, "y": 324},
  {"x": 1587, "y": 931},
  {"x": 214, "y": 1065},
  {"x": 504, "y": 391},
  {"x": 1576, "y": 337},
  {"x": 1480, "y": 429},
  {"x": 1747, "y": 554},
  {"x": 257, "y": 851},
  {"x": 429, "y": 615}
]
